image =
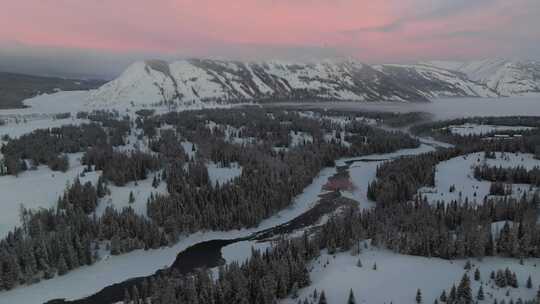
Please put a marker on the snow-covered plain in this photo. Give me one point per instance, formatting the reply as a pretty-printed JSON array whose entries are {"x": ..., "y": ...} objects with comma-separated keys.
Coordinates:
[
  {"x": 399, "y": 276},
  {"x": 119, "y": 196},
  {"x": 35, "y": 189},
  {"x": 458, "y": 172}
]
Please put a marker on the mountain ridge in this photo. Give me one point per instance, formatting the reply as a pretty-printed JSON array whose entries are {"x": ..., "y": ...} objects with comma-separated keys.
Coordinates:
[
  {"x": 203, "y": 80},
  {"x": 506, "y": 77}
]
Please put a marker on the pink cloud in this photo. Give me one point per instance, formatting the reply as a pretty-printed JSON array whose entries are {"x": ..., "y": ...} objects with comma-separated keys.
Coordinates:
[{"x": 370, "y": 30}]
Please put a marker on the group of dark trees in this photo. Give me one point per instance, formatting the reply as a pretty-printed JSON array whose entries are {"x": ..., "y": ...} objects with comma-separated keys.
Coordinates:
[
  {"x": 269, "y": 179},
  {"x": 527, "y": 141},
  {"x": 120, "y": 167},
  {"x": 54, "y": 241},
  {"x": 408, "y": 224},
  {"x": 266, "y": 277},
  {"x": 399, "y": 180},
  {"x": 447, "y": 231},
  {"x": 48, "y": 147},
  {"x": 515, "y": 175}
]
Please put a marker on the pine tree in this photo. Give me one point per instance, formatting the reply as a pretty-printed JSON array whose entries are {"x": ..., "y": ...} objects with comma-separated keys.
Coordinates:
[
  {"x": 127, "y": 297},
  {"x": 418, "y": 296},
  {"x": 359, "y": 263},
  {"x": 529, "y": 282},
  {"x": 135, "y": 294},
  {"x": 375, "y": 266},
  {"x": 513, "y": 280},
  {"x": 322, "y": 299},
  {"x": 62, "y": 265},
  {"x": 464, "y": 293},
  {"x": 500, "y": 279},
  {"x": 477, "y": 275},
  {"x": 443, "y": 297},
  {"x": 294, "y": 290},
  {"x": 467, "y": 265},
  {"x": 453, "y": 295},
  {"x": 351, "y": 300},
  {"x": 131, "y": 197},
  {"x": 480, "y": 295},
  {"x": 155, "y": 182}
]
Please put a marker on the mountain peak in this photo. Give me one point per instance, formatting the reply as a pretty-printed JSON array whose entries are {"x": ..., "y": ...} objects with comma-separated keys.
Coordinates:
[{"x": 203, "y": 80}]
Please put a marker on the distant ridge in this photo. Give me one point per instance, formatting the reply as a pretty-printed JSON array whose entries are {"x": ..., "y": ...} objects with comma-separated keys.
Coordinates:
[{"x": 203, "y": 80}]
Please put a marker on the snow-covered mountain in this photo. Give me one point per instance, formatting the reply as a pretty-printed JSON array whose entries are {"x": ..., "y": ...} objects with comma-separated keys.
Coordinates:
[
  {"x": 198, "y": 81},
  {"x": 434, "y": 81},
  {"x": 506, "y": 77}
]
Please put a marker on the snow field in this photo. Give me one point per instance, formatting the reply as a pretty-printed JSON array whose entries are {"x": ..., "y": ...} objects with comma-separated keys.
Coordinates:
[
  {"x": 399, "y": 276},
  {"x": 458, "y": 172},
  {"x": 36, "y": 189}
]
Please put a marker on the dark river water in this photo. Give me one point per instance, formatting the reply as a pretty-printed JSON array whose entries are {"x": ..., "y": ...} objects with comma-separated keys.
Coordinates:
[{"x": 208, "y": 254}]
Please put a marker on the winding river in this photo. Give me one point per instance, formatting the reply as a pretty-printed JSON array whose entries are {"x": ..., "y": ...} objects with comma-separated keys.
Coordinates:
[{"x": 307, "y": 210}]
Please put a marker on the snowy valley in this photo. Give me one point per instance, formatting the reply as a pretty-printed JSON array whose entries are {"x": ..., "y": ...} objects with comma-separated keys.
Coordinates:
[{"x": 170, "y": 160}]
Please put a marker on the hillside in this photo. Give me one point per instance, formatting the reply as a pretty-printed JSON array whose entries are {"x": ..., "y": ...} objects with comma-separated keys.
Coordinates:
[
  {"x": 195, "y": 81},
  {"x": 14, "y": 88},
  {"x": 506, "y": 77}
]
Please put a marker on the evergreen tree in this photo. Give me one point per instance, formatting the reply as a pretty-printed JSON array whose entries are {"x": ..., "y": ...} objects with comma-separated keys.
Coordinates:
[
  {"x": 529, "y": 282},
  {"x": 62, "y": 265},
  {"x": 443, "y": 297},
  {"x": 322, "y": 299},
  {"x": 351, "y": 299},
  {"x": 418, "y": 296},
  {"x": 477, "y": 275},
  {"x": 155, "y": 182},
  {"x": 294, "y": 291},
  {"x": 135, "y": 294},
  {"x": 127, "y": 297},
  {"x": 452, "y": 297},
  {"x": 480, "y": 295},
  {"x": 131, "y": 197},
  {"x": 464, "y": 293}
]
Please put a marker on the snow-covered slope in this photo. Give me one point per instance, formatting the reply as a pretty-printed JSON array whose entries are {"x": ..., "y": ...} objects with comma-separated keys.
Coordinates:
[
  {"x": 197, "y": 81},
  {"x": 506, "y": 77},
  {"x": 202, "y": 81},
  {"x": 433, "y": 81}
]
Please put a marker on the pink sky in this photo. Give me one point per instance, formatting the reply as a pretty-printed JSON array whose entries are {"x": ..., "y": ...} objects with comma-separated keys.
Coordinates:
[{"x": 382, "y": 30}]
